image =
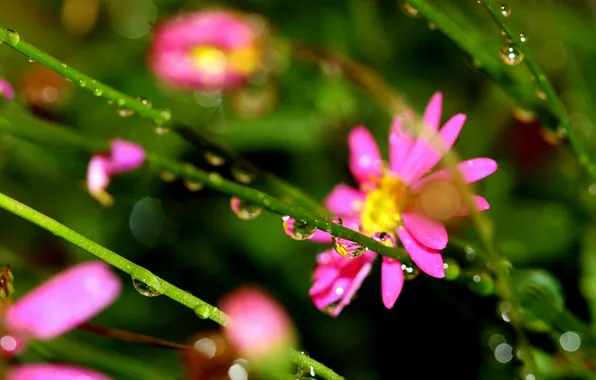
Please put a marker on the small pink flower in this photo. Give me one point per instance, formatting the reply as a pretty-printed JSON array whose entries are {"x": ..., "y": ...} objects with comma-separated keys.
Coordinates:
[
  {"x": 401, "y": 199},
  {"x": 63, "y": 302},
  {"x": 6, "y": 90},
  {"x": 259, "y": 327},
  {"x": 52, "y": 372},
  {"x": 124, "y": 156},
  {"x": 207, "y": 50}
]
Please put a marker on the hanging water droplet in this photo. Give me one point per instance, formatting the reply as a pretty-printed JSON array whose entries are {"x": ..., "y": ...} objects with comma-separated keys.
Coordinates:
[
  {"x": 214, "y": 159},
  {"x": 522, "y": 38},
  {"x": 30, "y": 60},
  {"x": 408, "y": 9},
  {"x": 144, "y": 289},
  {"x": 245, "y": 210},
  {"x": 202, "y": 311},
  {"x": 97, "y": 91},
  {"x": 82, "y": 83},
  {"x": 297, "y": 229},
  {"x": 505, "y": 10},
  {"x": 192, "y": 185},
  {"x": 384, "y": 238},
  {"x": 242, "y": 174},
  {"x": 165, "y": 114},
  {"x": 124, "y": 112},
  {"x": 168, "y": 176},
  {"x": 305, "y": 370},
  {"x": 161, "y": 130},
  {"x": 481, "y": 283},
  {"x": 511, "y": 54},
  {"x": 347, "y": 248},
  {"x": 410, "y": 271},
  {"x": 452, "y": 269},
  {"x": 13, "y": 36},
  {"x": 144, "y": 101}
]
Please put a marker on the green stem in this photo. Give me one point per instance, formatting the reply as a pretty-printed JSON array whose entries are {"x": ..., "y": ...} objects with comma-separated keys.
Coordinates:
[
  {"x": 160, "y": 117},
  {"x": 201, "y": 308},
  {"x": 47, "y": 134}
]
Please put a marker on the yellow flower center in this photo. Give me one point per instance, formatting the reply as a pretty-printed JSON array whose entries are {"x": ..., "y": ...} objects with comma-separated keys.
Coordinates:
[
  {"x": 216, "y": 61},
  {"x": 382, "y": 208}
]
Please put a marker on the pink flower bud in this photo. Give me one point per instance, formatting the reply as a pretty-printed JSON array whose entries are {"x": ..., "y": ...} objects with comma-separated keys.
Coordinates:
[
  {"x": 208, "y": 51},
  {"x": 6, "y": 90},
  {"x": 259, "y": 327},
  {"x": 52, "y": 372},
  {"x": 63, "y": 302}
]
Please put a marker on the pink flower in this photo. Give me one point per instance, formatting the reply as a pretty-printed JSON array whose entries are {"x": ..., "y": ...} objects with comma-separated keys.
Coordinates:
[
  {"x": 401, "y": 199},
  {"x": 207, "y": 50},
  {"x": 124, "y": 156},
  {"x": 6, "y": 89},
  {"x": 259, "y": 327},
  {"x": 62, "y": 303},
  {"x": 52, "y": 372}
]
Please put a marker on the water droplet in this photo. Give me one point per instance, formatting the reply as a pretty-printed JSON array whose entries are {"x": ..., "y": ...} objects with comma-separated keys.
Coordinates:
[
  {"x": 193, "y": 185},
  {"x": 347, "y": 248},
  {"x": 97, "y": 91},
  {"x": 165, "y": 114},
  {"x": 554, "y": 137},
  {"x": 144, "y": 101},
  {"x": 64, "y": 65},
  {"x": 245, "y": 210},
  {"x": 452, "y": 269},
  {"x": 522, "y": 38},
  {"x": 144, "y": 289},
  {"x": 504, "y": 311},
  {"x": 408, "y": 9},
  {"x": 384, "y": 238},
  {"x": 203, "y": 311},
  {"x": 13, "y": 36},
  {"x": 168, "y": 176},
  {"x": 124, "y": 112},
  {"x": 505, "y": 10},
  {"x": 214, "y": 159},
  {"x": 511, "y": 54},
  {"x": 410, "y": 271},
  {"x": 110, "y": 101},
  {"x": 215, "y": 178},
  {"x": 242, "y": 174},
  {"x": 503, "y": 353},
  {"x": 481, "y": 283},
  {"x": 470, "y": 253},
  {"x": 82, "y": 83},
  {"x": 570, "y": 341},
  {"x": 30, "y": 60},
  {"x": 297, "y": 229},
  {"x": 524, "y": 116},
  {"x": 11, "y": 345},
  {"x": 161, "y": 130},
  {"x": 302, "y": 370},
  {"x": 503, "y": 32},
  {"x": 541, "y": 94},
  {"x": 238, "y": 371}
]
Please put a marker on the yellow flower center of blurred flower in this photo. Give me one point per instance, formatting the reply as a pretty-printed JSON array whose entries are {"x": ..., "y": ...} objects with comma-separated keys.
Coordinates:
[
  {"x": 381, "y": 211},
  {"x": 216, "y": 61}
]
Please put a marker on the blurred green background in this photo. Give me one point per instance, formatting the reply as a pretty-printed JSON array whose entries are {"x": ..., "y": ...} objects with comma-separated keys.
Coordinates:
[{"x": 295, "y": 125}]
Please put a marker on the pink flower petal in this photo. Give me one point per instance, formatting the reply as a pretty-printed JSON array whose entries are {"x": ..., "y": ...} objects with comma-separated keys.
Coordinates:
[
  {"x": 471, "y": 171},
  {"x": 400, "y": 143},
  {"x": 434, "y": 153},
  {"x": 428, "y": 232},
  {"x": 6, "y": 89},
  {"x": 353, "y": 287},
  {"x": 432, "y": 113},
  {"x": 344, "y": 200},
  {"x": 323, "y": 278},
  {"x": 365, "y": 160},
  {"x": 52, "y": 372},
  {"x": 126, "y": 156},
  {"x": 428, "y": 260},
  {"x": 321, "y": 237},
  {"x": 98, "y": 174},
  {"x": 63, "y": 302},
  {"x": 481, "y": 205},
  {"x": 392, "y": 281}
]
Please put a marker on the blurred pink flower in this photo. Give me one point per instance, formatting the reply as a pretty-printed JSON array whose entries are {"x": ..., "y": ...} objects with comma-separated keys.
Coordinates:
[
  {"x": 259, "y": 327},
  {"x": 124, "y": 156},
  {"x": 52, "y": 372},
  {"x": 62, "y": 303},
  {"x": 206, "y": 50},
  {"x": 401, "y": 199},
  {"x": 6, "y": 89}
]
